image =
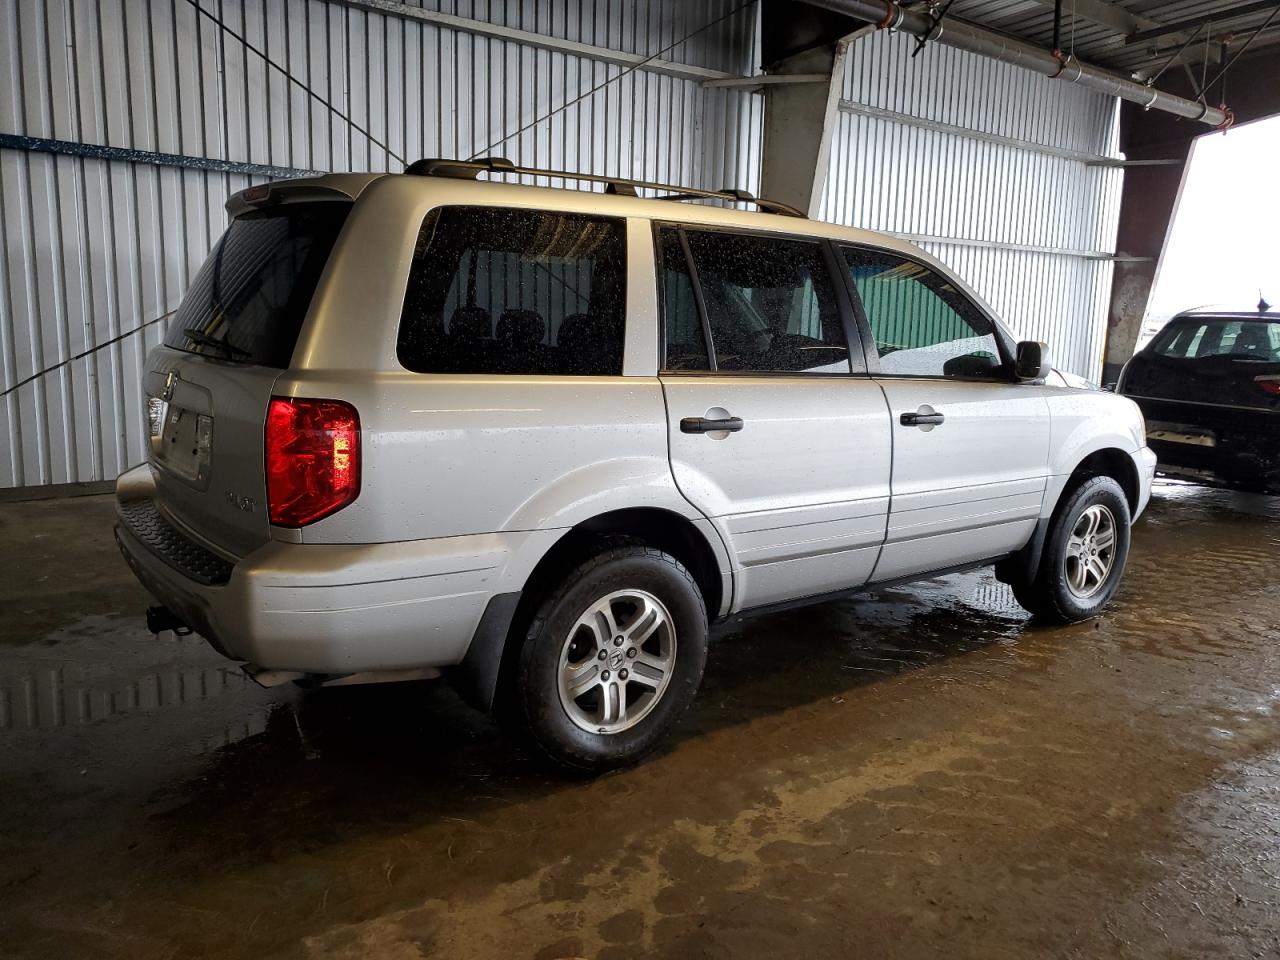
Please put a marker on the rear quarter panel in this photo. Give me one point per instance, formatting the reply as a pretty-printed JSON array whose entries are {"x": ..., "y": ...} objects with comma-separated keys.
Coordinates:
[
  {"x": 453, "y": 455},
  {"x": 446, "y": 456}
]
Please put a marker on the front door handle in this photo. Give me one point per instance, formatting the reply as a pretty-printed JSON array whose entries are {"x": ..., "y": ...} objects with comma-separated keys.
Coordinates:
[
  {"x": 703, "y": 425},
  {"x": 921, "y": 419}
]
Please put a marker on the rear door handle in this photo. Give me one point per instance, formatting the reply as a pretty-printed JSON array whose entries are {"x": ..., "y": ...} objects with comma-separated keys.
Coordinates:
[
  {"x": 703, "y": 425},
  {"x": 921, "y": 419}
]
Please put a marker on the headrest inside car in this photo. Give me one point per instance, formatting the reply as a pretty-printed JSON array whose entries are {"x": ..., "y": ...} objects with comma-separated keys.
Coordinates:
[
  {"x": 470, "y": 323},
  {"x": 522, "y": 328}
]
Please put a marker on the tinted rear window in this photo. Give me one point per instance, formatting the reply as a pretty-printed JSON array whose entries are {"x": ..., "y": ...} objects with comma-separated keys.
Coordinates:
[
  {"x": 1203, "y": 338},
  {"x": 248, "y": 301},
  {"x": 515, "y": 292}
]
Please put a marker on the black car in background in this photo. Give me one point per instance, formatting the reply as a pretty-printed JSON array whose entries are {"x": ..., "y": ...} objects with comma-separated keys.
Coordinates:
[{"x": 1209, "y": 386}]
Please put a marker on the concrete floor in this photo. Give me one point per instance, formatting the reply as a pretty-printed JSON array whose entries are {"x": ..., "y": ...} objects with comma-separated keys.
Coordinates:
[{"x": 919, "y": 773}]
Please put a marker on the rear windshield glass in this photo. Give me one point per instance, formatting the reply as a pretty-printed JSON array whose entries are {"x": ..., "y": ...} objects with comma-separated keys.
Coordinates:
[
  {"x": 248, "y": 301},
  {"x": 515, "y": 292},
  {"x": 1199, "y": 338}
]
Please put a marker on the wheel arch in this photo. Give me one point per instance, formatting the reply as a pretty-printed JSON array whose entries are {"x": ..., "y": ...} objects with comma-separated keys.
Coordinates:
[
  {"x": 654, "y": 526},
  {"x": 1103, "y": 462},
  {"x": 1106, "y": 462},
  {"x": 494, "y": 649}
]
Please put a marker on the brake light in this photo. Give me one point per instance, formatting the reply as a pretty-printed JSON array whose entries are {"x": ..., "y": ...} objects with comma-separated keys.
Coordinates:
[
  {"x": 312, "y": 459},
  {"x": 1270, "y": 382}
]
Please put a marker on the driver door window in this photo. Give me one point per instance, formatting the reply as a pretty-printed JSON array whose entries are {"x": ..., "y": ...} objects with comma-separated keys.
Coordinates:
[{"x": 922, "y": 325}]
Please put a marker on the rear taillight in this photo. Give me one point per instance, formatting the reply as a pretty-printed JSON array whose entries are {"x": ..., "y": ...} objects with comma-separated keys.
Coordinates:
[
  {"x": 312, "y": 459},
  {"x": 1270, "y": 382}
]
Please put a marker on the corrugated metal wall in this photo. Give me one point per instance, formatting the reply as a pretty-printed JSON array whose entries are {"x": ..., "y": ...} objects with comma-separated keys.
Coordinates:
[
  {"x": 992, "y": 169},
  {"x": 94, "y": 248}
]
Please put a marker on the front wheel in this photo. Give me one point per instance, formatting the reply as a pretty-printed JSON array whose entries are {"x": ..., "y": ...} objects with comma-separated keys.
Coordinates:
[
  {"x": 612, "y": 659},
  {"x": 1084, "y": 554}
]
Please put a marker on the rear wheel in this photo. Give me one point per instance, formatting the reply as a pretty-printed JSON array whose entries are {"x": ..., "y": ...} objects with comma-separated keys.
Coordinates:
[
  {"x": 1084, "y": 554},
  {"x": 612, "y": 658}
]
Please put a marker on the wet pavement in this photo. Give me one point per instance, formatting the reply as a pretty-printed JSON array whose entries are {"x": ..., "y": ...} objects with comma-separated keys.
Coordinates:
[{"x": 917, "y": 773}]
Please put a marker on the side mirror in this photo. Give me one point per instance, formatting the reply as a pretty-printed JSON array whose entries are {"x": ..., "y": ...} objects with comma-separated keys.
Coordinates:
[{"x": 1032, "y": 362}]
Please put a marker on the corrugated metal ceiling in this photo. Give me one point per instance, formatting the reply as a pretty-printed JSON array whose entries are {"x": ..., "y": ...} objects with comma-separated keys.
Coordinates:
[{"x": 1097, "y": 30}]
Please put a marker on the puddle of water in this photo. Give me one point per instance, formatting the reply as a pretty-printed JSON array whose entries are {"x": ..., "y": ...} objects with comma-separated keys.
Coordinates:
[
  {"x": 1187, "y": 495},
  {"x": 1008, "y": 753},
  {"x": 55, "y": 696},
  {"x": 72, "y": 690}
]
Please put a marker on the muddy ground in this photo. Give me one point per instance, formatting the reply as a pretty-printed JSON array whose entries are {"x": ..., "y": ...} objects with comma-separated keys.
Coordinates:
[{"x": 916, "y": 773}]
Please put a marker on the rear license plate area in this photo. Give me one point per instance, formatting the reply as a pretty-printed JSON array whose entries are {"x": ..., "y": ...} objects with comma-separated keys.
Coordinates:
[{"x": 185, "y": 442}]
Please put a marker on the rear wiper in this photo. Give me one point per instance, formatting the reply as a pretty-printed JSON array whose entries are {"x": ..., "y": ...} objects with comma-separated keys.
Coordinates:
[{"x": 202, "y": 338}]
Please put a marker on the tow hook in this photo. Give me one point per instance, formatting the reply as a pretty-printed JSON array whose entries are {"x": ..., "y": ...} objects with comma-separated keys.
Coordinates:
[{"x": 160, "y": 619}]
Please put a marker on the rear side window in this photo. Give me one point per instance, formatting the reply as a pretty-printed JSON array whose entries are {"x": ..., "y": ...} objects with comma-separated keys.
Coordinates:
[
  {"x": 249, "y": 299},
  {"x": 508, "y": 291},
  {"x": 1181, "y": 341},
  {"x": 769, "y": 305},
  {"x": 923, "y": 326},
  {"x": 1257, "y": 340}
]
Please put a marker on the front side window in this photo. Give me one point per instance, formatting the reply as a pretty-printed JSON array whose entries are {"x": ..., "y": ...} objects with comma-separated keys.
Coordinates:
[
  {"x": 769, "y": 305},
  {"x": 923, "y": 326},
  {"x": 507, "y": 291}
]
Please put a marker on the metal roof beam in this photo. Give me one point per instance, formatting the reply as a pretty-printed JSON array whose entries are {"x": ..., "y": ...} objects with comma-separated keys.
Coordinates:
[
  {"x": 1194, "y": 54},
  {"x": 769, "y": 79},
  {"x": 1105, "y": 15},
  {"x": 1231, "y": 13},
  {"x": 1119, "y": 21},
  {"x": 997, "y": 46},
  {"x": 620, "y": 58},
  {"x": 969, "y": 133}
]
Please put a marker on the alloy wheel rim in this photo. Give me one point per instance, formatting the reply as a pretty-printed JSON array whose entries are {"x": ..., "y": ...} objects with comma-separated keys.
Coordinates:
[
  {"x": 1091, "y": 551},
  {"x": 616, "y": 661}
]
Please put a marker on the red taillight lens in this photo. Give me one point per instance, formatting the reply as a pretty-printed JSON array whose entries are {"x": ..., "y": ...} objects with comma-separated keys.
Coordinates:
[
  {"x": 312, "y": 459},
  {"x": 1270, "y": 383}
]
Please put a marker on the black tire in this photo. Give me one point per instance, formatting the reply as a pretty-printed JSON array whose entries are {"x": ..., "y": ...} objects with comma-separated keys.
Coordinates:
[
  {"x": 1048, "y": 594},
  {"x": 538, "y": 708}
]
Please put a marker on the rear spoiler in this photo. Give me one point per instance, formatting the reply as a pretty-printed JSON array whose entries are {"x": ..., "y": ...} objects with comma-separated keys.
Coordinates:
[{"x": 340, "y": 189}]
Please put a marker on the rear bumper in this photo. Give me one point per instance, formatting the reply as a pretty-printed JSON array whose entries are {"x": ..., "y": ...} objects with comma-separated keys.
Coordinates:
[{"x": 325, "y": 608}]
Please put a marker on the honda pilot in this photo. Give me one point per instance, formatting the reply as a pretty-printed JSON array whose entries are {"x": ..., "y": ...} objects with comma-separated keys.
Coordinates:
[{"x": 541, "y": 441}]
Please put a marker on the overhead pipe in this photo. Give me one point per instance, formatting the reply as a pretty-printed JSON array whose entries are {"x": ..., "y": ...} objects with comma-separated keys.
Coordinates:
[{"x": 988, "y": 43}]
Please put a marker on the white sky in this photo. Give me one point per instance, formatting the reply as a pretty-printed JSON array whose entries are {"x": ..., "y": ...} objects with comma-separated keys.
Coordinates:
[{"x": 1225, "y": 242}]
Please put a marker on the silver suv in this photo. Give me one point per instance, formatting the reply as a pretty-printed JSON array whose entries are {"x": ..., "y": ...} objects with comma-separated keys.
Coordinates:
[{"x": 540, "y": 440}]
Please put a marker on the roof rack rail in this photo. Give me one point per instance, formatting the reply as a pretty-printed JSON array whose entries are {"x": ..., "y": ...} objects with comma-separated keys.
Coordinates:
[{"x": 470, "y": 169}]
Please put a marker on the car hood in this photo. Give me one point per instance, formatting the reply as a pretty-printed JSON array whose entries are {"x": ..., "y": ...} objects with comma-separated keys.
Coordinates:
[{"x": 1079, "y": 383}]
